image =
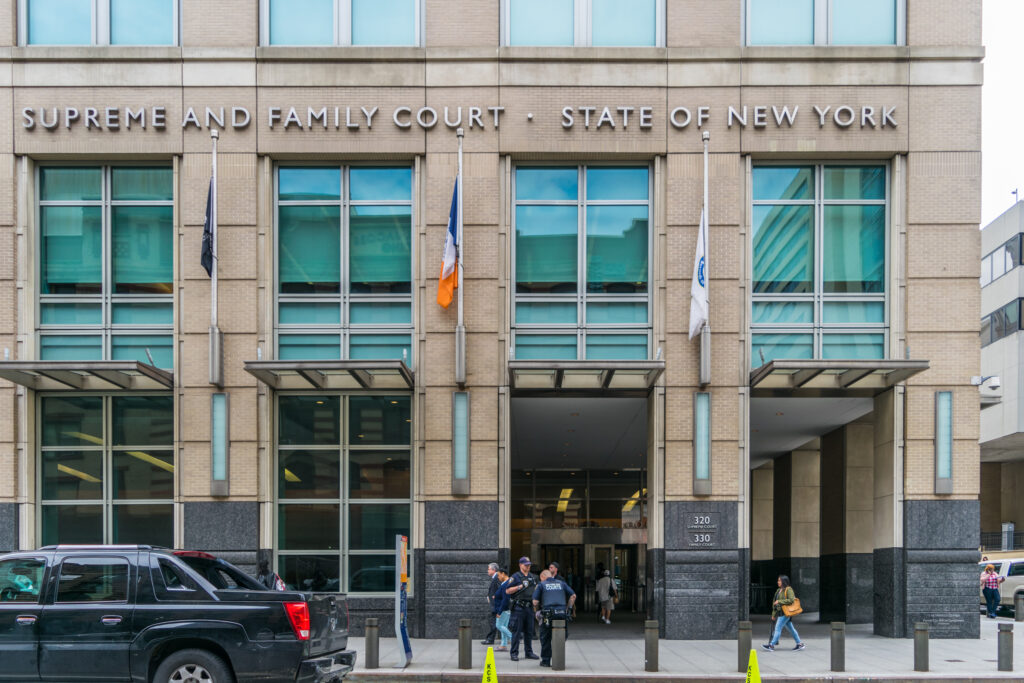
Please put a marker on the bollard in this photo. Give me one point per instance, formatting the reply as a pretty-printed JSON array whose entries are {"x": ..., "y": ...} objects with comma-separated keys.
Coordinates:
[
  {"x": 651, "y": 645},
  {"x": 1018, "y": 606},
  {"x": 839, "y": 646},
  {"x": 743, "y": 646},
  {"x": 1005, "y": 645},
  {"x": 921, "y": 646},
  {"x": 465, "y": 644},
  {"x": 372, "y": 657},
  {"x": 558, "y": 645}
]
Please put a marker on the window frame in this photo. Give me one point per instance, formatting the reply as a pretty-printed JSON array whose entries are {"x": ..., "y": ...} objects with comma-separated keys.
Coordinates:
[
  {"x": 100, "y": 29},
  {"x": 1015, "y": 245},
  {"x": 583, "y": 26},
  {"x": 112, "y": 560},
  {"x": 342, "y": 27},
  {"x": 822, "y": 13},
  {"x": 988, "y": 330}
]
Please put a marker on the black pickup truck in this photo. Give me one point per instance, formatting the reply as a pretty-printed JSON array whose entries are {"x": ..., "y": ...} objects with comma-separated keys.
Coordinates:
[{"x": 148, "y": 615}]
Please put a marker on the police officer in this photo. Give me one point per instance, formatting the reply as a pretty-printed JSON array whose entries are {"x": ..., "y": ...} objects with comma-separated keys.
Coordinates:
[
  {"x": 520, "y": 590},
  {"x": 554, "y": 598}
]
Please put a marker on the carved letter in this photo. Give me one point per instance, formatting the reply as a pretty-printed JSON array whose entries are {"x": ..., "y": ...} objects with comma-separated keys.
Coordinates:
[
  {"x": 312, "y": 116},
  {"x": 703, "y": 114},
  {"x": 369, "y": 116},
  {"x": 130, "y": 116},
  {"x": 235, "y": 123},
  {"x": 844, "y": 110},
  {"x": 159, "y": 116},
  {"x": 733, "y": 114},
  {"x": 606, "y": 117},
  {"x": 211, "y": 116},
  {"x": 821, "y": 115},
  {"x": 110, "y": 116},
  {"x": 433, "y": 117},
  {"x": 91, "y": 118},
  {"x": 29, "y": 121},
  {"x": 867, "y": 115},
  {"x": 273, "y": 114},
  {"x": 887, "y": 117},
  {"x": 190, "y": 117},
  {"x": 402, "y": 110},
  {"x": 676, "y": 123},
  {"x": 497, "y": 113},
  {"x": 785, "y": 115},
  {"x": 625, "y": 115},
  {"x": 292, "y": 117},
  {"x": 476, "y": 117},
  {"x": 567, "y": 119},
  {"x": 49, "y": 125},
  {"x": 70, "y": 115},
  {"x": 646, "y": 116},
  {"x": 452, "y": 124}
]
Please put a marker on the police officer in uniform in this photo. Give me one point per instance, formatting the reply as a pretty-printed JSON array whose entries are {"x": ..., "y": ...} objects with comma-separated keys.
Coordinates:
[
  {"x": 554, "y": 598},
  {"x": 520, "y": 590}
]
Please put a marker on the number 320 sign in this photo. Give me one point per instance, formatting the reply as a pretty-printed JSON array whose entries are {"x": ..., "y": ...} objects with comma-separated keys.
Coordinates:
[{"x": 702, "y": 530}]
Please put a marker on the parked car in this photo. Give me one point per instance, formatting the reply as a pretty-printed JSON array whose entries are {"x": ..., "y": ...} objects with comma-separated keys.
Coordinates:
[
  {"x": 147, "y": 615},
  {"x": 1013, "y": 570}
]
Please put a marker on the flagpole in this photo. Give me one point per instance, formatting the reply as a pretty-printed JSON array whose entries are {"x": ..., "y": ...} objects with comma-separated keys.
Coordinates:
[
  {"x": 460, "y": 330},
  {"x": 216, "y": 364},
  {"x": 705, "y": 333}
]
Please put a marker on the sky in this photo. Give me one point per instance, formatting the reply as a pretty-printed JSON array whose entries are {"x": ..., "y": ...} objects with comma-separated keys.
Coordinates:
[{"x": 1002, "y": 107}]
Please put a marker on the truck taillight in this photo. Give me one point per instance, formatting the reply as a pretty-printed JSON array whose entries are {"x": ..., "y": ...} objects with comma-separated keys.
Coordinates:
[{"x": 298, "y": 614}]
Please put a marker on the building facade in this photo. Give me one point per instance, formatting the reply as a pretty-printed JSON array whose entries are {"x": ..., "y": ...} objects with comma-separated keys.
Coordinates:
[{"x": 322, "y": 406}]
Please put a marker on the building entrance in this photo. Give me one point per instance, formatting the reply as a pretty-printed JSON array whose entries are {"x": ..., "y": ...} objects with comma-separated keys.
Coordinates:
[{"x": 582, "y": 566}]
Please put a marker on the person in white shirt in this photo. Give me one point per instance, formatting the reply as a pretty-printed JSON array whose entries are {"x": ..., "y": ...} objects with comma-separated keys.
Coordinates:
[{"x": 606, "y": 596}]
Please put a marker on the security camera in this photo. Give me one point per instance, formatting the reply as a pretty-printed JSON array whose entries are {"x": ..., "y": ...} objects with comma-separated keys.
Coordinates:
[{"x": 994, "y": 383}]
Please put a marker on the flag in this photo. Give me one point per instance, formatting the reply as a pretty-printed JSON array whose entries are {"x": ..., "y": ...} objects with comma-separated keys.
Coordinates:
[
  {"x": 206, "y": 259},
  {"x": 699, "y": 286},
  {"x": 449, "y": 279}
]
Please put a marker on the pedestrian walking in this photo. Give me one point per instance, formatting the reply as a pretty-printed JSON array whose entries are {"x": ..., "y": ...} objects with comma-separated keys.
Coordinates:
[
  {"x": 606, "y": 596},
  {"x": 785, "y": 606},
  {"x": 990, "y": 588},
  {"x": 501, "y": 611},
  {"x": 492, "y": 573},
  {"x": 553, "y": 598},
  {"x": 520, "y": 591}
]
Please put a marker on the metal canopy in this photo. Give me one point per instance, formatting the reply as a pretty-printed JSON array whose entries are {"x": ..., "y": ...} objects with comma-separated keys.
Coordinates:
[
  {"x": 584, "y": 375},
  {"x": 331, "y": 374},
  {"x": 69, "y": 375},
  {"x": 831, "y": 377}
]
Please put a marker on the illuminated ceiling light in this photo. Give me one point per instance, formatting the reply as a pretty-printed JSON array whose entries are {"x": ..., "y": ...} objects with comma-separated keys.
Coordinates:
[
  {"x": 562, "y": 506},
  {"x": 290, "y": 477},
  {"x": 78, "y": 473},
  {"x": 394, "y": 403},
  {"x": 319, "y": 403},
  {"x": 152, "y": 460},
  {"x": 566, "y": 493}
]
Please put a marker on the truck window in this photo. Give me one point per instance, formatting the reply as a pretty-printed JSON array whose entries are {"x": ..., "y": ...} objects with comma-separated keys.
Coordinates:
[
  {"x": 20, "y": 579},
  {"x": 173, "y": 578},
  {"x": 1016, "y": 569},
  {"x": 93, "y": 580}
]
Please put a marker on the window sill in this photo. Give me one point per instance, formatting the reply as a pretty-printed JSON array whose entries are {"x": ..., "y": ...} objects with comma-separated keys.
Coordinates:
[
  {"x": 340, "y": 54},
  {"x": 113, "y": 53}
]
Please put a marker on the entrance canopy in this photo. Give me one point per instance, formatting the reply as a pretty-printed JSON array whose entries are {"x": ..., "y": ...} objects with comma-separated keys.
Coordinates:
[
  {"x": 839, "y": 378},
  {"x": 105, "y": 375},
  {"x": 584, "y": 375},
  {"x": 331, "y": 374}
]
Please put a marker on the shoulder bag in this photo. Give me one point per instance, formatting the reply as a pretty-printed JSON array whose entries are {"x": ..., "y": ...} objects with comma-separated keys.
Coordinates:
[{"x": 794, "y": 609}]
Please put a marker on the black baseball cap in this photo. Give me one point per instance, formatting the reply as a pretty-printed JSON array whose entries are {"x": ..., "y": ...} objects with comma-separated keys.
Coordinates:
[{"x": 556, "y": 566}]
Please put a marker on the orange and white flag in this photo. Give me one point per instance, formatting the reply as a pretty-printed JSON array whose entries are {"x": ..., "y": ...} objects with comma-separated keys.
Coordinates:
[{"x": 449, "y": 279}]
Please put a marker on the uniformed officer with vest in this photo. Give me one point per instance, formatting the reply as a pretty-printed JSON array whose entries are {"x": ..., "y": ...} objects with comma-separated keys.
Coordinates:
[
  {"x": 554, "y": 598},
  {"x": 520, "y": 591}
]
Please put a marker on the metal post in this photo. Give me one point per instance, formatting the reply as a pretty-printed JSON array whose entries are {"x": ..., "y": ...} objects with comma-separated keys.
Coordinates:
[
  {"x": 1005, "y": 645},
  {"x": 558, "y": 645},
  {"x": 1018, "y": 606},
  {"x": 705, "y": 334},
  {"x": 460, "y": 328},
  {"x": 372, "y": 643},
  {"x": 465, "y": 644},
  {"x": 216, "y": 341},
  {"x": 838, "y": 646},
  {"x": 921, "y": 646},
  {"x": 651, "y": 645},
  {"x": 743, "y": 640}
]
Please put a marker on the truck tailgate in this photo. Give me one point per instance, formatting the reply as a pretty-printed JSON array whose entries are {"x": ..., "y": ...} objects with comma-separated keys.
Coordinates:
[{"x": 328, "y": 623}]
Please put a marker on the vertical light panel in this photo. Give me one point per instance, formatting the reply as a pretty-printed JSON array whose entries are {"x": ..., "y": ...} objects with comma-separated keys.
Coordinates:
[
  {"x": 460, "y": 442},
  {"x": 943, "y": 442},
  {"x": 702, "y": 443},
  {"x": 219, "y": 445}
]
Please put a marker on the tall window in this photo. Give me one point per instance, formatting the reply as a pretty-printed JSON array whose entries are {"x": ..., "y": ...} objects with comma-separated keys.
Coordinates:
[
  {"x": 344, "y": 240},
  {"x": 1002, "y": 260},
  {"x": 341, "y": 22},
  {"x": 106, "y": 469},
  {"x": 582, "y": 262},
  {"x": 106, "y": 276},
  {"x": 819, "y": 276},
  {"x": 344, "y": 490},
  {"x": 584, "y": 23},
  {"x": 825, "y": 22},
  {"x": 99, "y": 22}
]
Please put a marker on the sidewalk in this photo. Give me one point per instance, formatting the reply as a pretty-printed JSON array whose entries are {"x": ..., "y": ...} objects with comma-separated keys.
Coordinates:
[{"x": 867, "y": 656}]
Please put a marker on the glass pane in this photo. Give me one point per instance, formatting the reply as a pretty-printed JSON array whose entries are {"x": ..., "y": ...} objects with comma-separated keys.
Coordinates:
[
  {"x": 616, "y": 346},
  {"x": 374, "y": 527},
  {"x": 142, "y": 475},
  {"x": 143, "y": 249},
  {"x": 309, "y": 347},
  {"x": 301, "y": 22},
  {"x": 623, "y": 23},
  {"x": 783, "y": 182},
  {"x": 93, "y": 580},
  {"x": 986, "y": 331},
  {"x": 70, "y": 347},
  {"x": 310, "y": 572},
  {"x": 59, "y": 22},
  {"x": 379, "y": 420},
  {"x": 378, "y": 474},
  {"x": 219, "y": 436},
  {"x": 384, "y": 313},
  {"x": 617, "y": 249},
  {"x": 72, "y": 249},
  {"x": 787, "y": 346},
  {"x": 309, "y": 245},
  {"x": 986, "y": 270},
  {"x": 547, "y": 183},
  {"x": 782, "y": 313},
  {"x": 863, "y": 22},
  {"x": 384, "y": 22},
  {"x": 855, "y": 312},
  {"x": 77, "y": 183},
  {"x": 142, "y": 184},
  {"x": 72, "y": 524},
  {"x": 617, "y": 183},
  {"x": 316, "y": 183},
  {"x": 855, "y": 182},
  {"x": 308, "y": 474},
  {"x": 146, "y": 524},
  {"x": 854, "y": 258},
  {"x": 309, "y": 420},
  {"x": 380, "y": 183},
  {"x": 143, "y": 314},
  {"x": 546, "y": 242},
  {"x": 541, "y": 22},
  {"x": 134, "y": 347},
  {"x": 602, "y": 313},
  {"x": 853, "y": 346},
  {"x": 143, "y": 420},
  {"x": 371, "y": 573},
  {"x": 783, "y": 249},
  {"x": 309, "y": 313},
  {"x": 380, "y": 249},
  {"x": 142, "y": 22},
  {"x": 380, "y": 346},
  {"x": 308, "y": 527},
  {"x": 70, "y": 314},
  {"x": 781, "y": 22},
  {"x": 532, "y": 313},
  {"x": 21, "y": 579},
  {"x": 72, "y": 475},
  {"x": 545, "y": 346},
  {"x": 702, "y": 435},
  {"x": 71, "y": 420}
]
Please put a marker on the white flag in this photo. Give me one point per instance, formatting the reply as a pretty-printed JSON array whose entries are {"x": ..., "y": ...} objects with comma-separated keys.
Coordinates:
[{"x": 699, "y": 287}]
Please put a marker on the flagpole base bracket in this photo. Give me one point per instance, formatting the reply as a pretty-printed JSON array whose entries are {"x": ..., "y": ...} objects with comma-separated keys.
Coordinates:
[
  {"x": 460, "y": 356},
  {"x": 705, "y": 356},
  {"x": 216, "y": 357}
]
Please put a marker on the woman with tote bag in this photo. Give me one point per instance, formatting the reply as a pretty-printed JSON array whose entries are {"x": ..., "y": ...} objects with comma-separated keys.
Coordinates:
[{"x": 785, "y": 606}]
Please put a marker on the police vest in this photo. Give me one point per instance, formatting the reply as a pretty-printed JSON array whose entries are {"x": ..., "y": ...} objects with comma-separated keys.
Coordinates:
[
  {"x": 552, "y": 594},
  {"x": 523, "y": 597}
]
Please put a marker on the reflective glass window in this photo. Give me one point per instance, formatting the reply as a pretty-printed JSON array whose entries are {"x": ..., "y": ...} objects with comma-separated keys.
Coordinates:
[
  {"x": 541, "y": 22},
  {"x": 783, "y": 249},
  {"x": 77, "y": 22},
  {"x": 854, "y": 244},
  {"x": 863, "y": 22},
  {"x": 142, "y": 22},
  {"x": 546, "y": 248},
  {"x": 781, "y": 22},
  {"x": 59, "y": 22},
  {"x": 384, "y": 22},
  {"x": 617, "y": 23},
  {"x": 301, "y": 22}
]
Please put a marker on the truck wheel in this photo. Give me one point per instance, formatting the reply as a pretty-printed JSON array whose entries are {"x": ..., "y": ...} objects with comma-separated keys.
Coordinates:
[{"x": 193, "y": 666}]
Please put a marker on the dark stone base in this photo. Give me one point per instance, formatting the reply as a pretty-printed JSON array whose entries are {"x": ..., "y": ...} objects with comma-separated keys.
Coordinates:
[
  {"x": 8, "y": 527},
  {"x": 455, "y": 587},
  {"x": 804, "y": 574},
  {"x": 656, "y": 587},
  {"x": 702, "y": 596},
  {"x": 890, "y": 600},
  {"x": 846, "y": 589},
  {"x": 219, "y": 526}
]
